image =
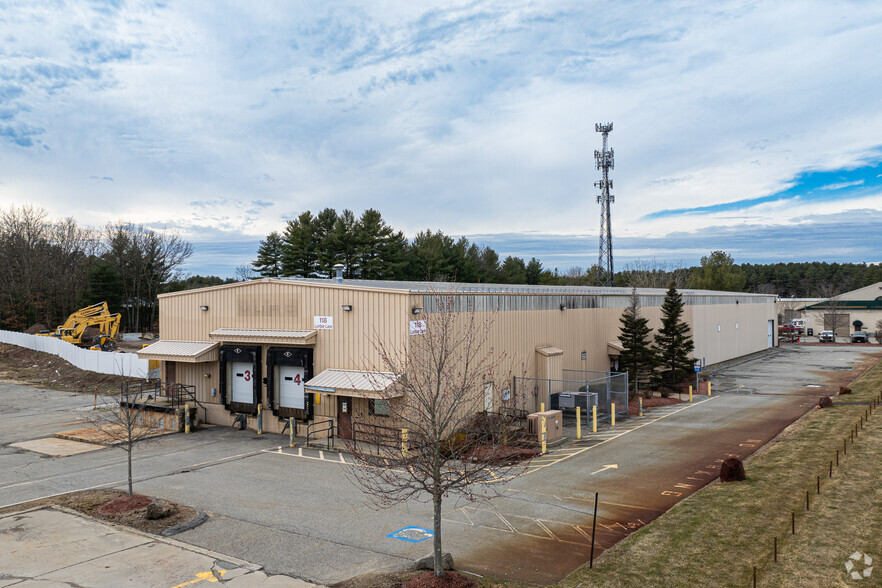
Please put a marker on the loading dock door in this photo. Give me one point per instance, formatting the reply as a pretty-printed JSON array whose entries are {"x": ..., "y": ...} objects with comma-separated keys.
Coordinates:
[
  {"x": 291, "y": 391},
  {"x": 242, "y": 377}
]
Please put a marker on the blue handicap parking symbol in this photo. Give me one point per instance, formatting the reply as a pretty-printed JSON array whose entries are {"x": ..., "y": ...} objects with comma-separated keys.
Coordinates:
[{"x": 412, "y": 534}]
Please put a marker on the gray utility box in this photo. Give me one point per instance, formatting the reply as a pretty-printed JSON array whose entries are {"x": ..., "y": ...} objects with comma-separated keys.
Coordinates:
[{"x": 565, "y": 400}]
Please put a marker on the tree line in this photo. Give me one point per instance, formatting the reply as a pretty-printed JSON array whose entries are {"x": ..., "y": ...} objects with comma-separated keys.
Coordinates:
[
  {"x": 369, "y": 249},
  {"x": 51, "y": 267}
]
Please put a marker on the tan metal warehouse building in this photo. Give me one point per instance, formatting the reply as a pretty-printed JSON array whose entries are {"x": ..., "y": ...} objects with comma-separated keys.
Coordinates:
[{"x": 306, "y": 348}]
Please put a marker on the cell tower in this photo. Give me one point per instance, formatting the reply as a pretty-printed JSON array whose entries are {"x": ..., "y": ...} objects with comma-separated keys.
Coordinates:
[{"x": 605, "y": 160}]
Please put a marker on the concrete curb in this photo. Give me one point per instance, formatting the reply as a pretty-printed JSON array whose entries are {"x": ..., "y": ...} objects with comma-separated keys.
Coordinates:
[
  {"x": 167, "y": 540},
  {"x": 186, "y": 525}
]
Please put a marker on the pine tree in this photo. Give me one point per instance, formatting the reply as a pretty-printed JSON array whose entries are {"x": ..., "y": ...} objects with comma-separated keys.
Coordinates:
[
  {"x": 673, "y": 343},
  {"x": 638, "y": 358},
  {"x": 269, "y": 256},
  {"x": 299, "y": 247}
]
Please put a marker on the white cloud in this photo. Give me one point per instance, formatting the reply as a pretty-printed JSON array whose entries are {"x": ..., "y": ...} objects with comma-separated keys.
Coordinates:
[{"x": 475, "y": 118}]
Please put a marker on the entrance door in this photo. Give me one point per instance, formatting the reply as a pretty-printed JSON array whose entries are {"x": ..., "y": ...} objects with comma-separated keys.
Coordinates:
[
  {"x": 291, "y": 391},
  {"x": 242, "y": 382},
  {"x": 344, "y": 417},
  {"x": 771, "y": 334},
  {"x": 170, "y": 375}
]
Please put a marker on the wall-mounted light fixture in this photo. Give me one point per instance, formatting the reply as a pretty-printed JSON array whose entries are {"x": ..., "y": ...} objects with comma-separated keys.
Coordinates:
[
  {"x": 416, "y": 310},
  {"x": 207, "y": 375},
  {"x": 347, "y": 307},
  {"x": 203, "y": 307},
  {"x": 563, "y": 306}
]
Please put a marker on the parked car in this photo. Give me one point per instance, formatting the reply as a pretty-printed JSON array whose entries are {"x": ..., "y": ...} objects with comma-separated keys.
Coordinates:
[
  {"x": 826, "y": 337},
  {"x": 860, "y": 337}
]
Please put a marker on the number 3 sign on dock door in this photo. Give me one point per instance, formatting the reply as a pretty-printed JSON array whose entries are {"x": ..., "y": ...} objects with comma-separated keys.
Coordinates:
[{"x": 323, "y": 322}]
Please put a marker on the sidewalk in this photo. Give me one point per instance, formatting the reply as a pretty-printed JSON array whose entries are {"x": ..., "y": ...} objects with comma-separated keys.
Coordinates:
[{"x": 50, "y": 544}]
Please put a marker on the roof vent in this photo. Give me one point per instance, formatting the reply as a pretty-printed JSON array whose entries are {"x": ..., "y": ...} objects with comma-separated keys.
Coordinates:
[{"x": 339, "y": 268}]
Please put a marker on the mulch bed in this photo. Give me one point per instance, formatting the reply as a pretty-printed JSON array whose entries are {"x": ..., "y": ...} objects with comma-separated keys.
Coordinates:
[
  {"x": 446, "y": 580},
  {"x": 91, "y": 503},
  {"x": 506, "y": 455},
  {"x": 634, "y": 407},
  {"x": 124, "y": 504}
]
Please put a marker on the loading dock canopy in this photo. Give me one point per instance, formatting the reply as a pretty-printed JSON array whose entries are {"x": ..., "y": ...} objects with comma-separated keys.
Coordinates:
[
  {"x": 359, "y": 383},
  {"x": 614, "y": 348},
  {"x": 182, "y": 351},
  {"x": 295, "y": 337}
]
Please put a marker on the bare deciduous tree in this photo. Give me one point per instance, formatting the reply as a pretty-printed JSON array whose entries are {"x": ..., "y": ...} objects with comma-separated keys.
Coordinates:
[
  {"x": 144, "y": 259},
  {"x": 834, "y": 319},
  {"x": 651, "y": 273},
  {"x": 124, "y": 422},
  {"x": 43, "y": 263},
  {"x": 447, "y": 386}
]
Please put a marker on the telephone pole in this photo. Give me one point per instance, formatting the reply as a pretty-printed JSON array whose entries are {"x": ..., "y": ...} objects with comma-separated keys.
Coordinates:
[{"x": 605, "y": 160}]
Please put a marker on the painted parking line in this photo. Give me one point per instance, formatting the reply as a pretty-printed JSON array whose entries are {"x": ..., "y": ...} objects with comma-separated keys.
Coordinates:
[
  {"x": 550, "y": 458},
  {"x": 597, "y": 439},
  {"x": 537, "y": 528}
]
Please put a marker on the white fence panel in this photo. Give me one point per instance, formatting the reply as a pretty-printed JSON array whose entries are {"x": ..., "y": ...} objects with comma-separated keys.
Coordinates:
[{"x": 102, "y": 362}]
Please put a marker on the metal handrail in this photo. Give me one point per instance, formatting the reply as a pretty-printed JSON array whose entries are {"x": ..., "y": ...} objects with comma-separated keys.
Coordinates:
[
  {"x": 317, "y": 427},
  {"x": 379, "y": 435}
]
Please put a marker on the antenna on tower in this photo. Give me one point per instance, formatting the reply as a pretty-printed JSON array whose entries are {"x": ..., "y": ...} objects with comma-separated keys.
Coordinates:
[{"x": 605, "y": 160}]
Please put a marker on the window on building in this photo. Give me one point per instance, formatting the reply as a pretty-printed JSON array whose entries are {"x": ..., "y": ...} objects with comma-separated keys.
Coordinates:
[{"x": 379, "y": 407}]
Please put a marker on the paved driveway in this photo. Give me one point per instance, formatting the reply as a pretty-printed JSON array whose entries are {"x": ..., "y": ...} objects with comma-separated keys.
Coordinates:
[{"x": 295, "y": 511}]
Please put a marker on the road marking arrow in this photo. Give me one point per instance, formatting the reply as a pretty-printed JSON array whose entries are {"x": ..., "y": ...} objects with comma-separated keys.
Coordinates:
[{"x": 613, "y": 466}]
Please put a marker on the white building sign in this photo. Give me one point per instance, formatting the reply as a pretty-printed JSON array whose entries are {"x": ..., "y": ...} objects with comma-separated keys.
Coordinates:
[
  {"x": 417, "y": 327},
  {"x": 323, "y": 322}
]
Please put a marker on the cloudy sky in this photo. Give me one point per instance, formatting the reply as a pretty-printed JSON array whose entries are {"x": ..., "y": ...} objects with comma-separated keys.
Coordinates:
[{"x": 753, "y": 127}]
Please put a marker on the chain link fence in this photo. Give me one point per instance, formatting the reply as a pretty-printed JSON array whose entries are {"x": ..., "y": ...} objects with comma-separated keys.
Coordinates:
[{"x": 582, "y": 388}]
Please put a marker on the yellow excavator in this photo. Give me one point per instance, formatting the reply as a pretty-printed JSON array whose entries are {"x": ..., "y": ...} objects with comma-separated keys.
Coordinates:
[{"x": 96, "y": 315}]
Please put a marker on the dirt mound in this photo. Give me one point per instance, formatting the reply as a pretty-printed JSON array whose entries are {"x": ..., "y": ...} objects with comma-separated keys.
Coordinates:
[
  {"x": 124, "y": 504},
  {"x": 38, "y": 328},
  {"x": 45, "y": 370}
]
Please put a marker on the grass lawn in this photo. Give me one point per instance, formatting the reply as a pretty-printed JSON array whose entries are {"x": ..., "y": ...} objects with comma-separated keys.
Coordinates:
[{"x": 717, "y": 536}]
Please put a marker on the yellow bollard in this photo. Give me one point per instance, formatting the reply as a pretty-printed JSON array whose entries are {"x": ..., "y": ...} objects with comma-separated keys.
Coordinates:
[
  {"x": 544, "y": 436},
  {"x": 404, "y": 443},
  {"x": 690, "y": 393},
  {"x": 612, "y": 414},
  {"x": 578, "y": 423},
  {"x": 594, "y": 419},
  {"x": 640, "y": 403},
  {"x": 708, "y": 388},
  {"x": 291, "y": 425},
  {"x": 260, "y": 419},
  {"x": 186, "y": 418},
  {"x": 541, "y": 407}
]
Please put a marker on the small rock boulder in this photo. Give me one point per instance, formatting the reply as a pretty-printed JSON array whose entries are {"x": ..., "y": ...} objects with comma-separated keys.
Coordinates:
[
  {"x": 732, "y": 470},
  {"x": 825, "y": 402},
  {"x": 157, "y": 510},
  {"x": 428, "y": 562},
  {"x": 844, "y": 390}
]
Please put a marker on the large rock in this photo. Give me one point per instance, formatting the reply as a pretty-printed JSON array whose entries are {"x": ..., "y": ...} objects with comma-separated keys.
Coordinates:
[
  {"x": 732, "y": 470},
  {"x": 825, "y": 402},
  {"x": 844, "y": 390},
  {"x": 157, "y": 510},
  {"x": 428, "y": 562}
]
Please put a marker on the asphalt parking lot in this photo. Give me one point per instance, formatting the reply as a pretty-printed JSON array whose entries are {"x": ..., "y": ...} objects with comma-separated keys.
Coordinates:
[{"x": 295, "y": 512}]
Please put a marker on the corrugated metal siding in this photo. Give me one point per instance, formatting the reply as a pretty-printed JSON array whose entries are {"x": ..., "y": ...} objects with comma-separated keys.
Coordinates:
[
  {"x": 375, "y": 317},
  {"x": 433, "y": 303}
]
